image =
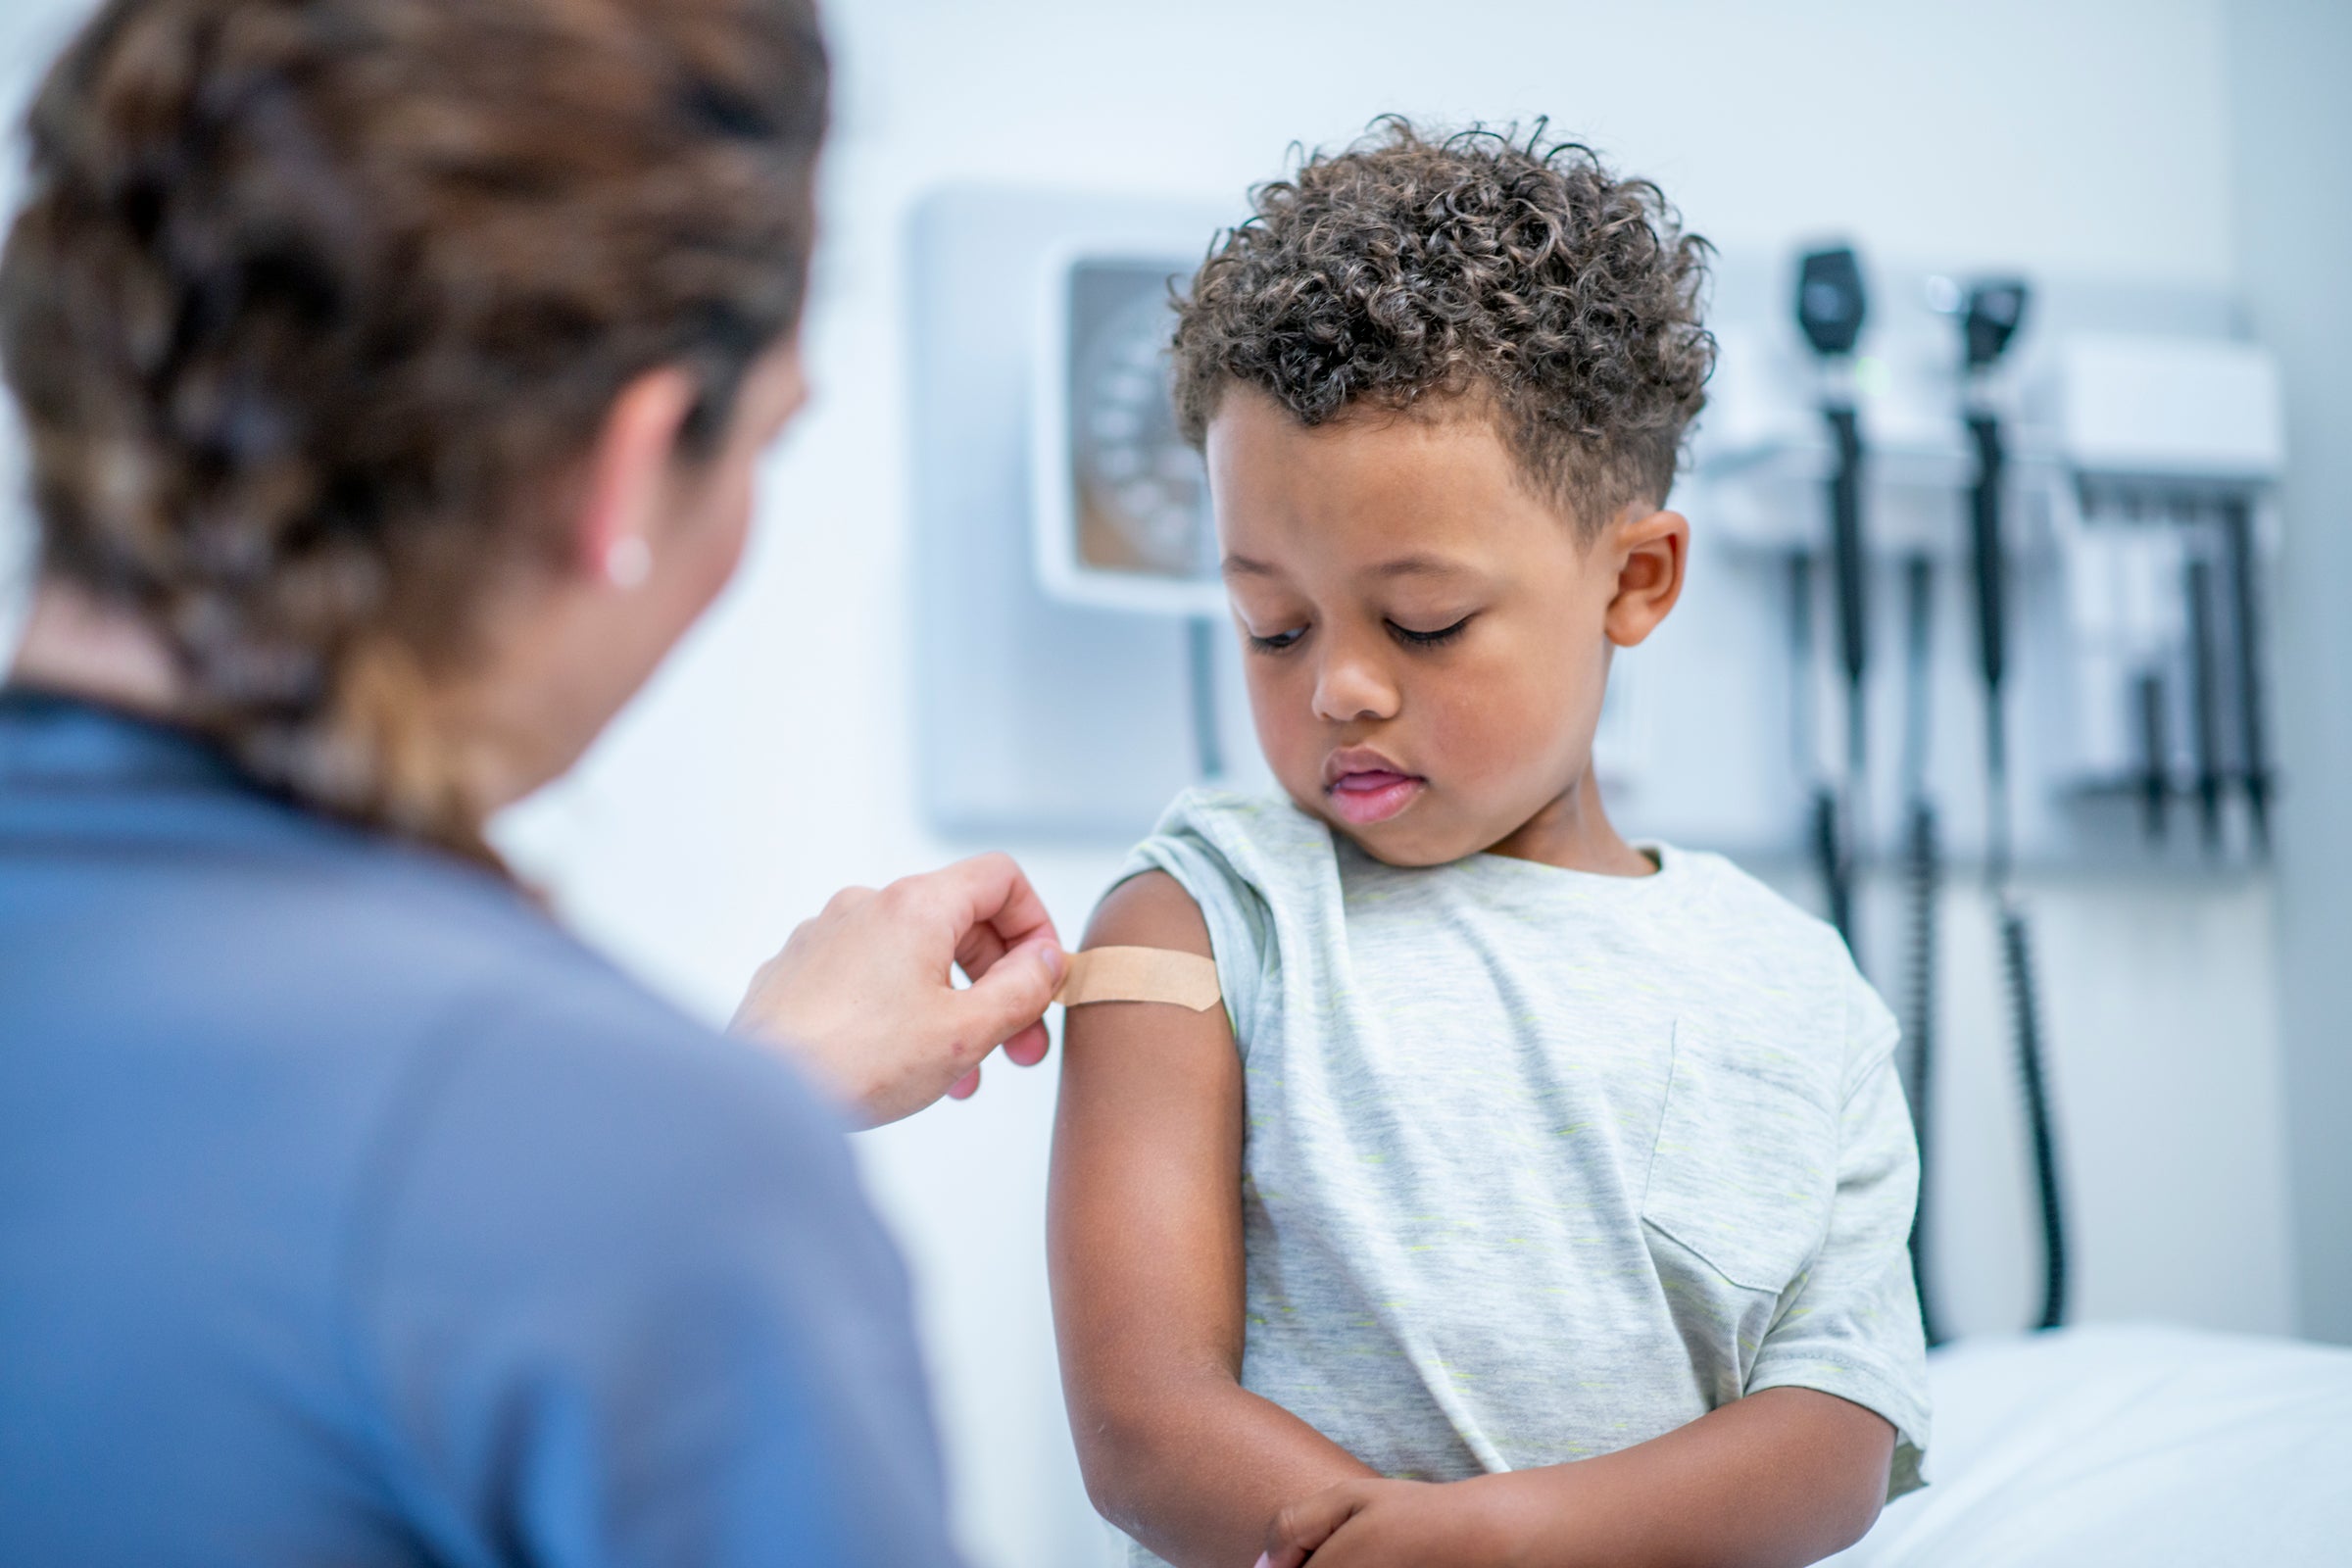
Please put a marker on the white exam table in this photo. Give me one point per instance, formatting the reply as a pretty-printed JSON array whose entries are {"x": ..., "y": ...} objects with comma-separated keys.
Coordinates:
[{"x": 2140, "y": 1446}]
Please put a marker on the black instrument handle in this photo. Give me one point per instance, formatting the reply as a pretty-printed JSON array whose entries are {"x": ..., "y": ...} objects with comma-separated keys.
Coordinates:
[
  {"x": 1985, "y": 548},
  {"x": 1828, "y": 855},
  {"x": 2237, "y": 531},
  {"x": 1919, "y": 605},
  {"x": 2203, "y": 658},
  {"x": 2156, "y": 768},
  {"x": 1846, "y": 544},
  {"x": 1801, "y": 719}
]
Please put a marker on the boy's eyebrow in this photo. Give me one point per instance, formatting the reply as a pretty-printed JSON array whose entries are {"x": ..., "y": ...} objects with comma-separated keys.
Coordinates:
[
  {"x": 1418, "y": 566},
  {"x": 1401, "y": 567}
]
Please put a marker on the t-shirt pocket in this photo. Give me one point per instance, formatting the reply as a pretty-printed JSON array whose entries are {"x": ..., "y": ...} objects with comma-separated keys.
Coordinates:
[{"x": 1745, "y": 1167}]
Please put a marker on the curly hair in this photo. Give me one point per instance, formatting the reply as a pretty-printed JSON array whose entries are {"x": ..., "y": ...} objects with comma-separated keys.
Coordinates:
[
  {"x": 1405, "y": 269},
  {"x": 312, "y": 302}
]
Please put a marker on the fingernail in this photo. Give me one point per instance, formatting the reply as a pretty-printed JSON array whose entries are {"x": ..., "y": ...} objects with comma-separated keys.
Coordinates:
[{"x": 1057, "y": 963}]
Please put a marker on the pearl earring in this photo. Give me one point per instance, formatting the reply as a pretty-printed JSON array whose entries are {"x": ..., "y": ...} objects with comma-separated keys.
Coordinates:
[{"x": 628, "y": 562}]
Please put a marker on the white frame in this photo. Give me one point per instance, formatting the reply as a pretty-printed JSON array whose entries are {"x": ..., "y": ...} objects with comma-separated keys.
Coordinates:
[{"x": 1053, "y": 479}]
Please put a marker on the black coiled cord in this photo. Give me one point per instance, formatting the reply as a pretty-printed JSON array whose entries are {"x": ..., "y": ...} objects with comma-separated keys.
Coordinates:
[
  {"x": 1923, "y": 879},
  {"x": 1923, "y": 876},
  {"x": 2016, "y": 960},
  {"x": 2016, "y": 951}
]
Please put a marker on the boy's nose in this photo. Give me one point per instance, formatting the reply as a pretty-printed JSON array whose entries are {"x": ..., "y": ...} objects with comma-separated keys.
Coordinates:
[{"x": 1350, "y": 689}]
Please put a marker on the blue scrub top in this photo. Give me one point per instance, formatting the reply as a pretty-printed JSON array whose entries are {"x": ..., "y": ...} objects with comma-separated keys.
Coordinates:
[{"x": 350, "y": 1213}]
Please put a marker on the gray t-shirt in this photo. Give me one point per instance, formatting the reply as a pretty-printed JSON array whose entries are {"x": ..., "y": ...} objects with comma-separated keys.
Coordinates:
[{"x": 1540, "y": 1164}]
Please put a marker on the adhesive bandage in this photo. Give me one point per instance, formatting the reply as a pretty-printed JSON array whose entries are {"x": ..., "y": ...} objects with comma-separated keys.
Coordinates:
[{"x": 1140, "y": 974}]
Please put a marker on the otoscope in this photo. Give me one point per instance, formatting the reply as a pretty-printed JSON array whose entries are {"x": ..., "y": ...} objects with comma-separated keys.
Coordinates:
[
  {"x": 1829, "y": 310},
  {"x": 1989, "y": 321}
]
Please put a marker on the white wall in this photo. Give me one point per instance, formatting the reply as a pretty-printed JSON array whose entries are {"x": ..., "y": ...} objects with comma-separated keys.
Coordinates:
[
  {"x": 2292, "y": 137},
  {"x": 772, "y": 761}
]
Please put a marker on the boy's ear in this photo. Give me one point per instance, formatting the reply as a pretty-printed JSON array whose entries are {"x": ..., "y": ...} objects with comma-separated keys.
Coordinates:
[{"x": 1650, "y": 551}]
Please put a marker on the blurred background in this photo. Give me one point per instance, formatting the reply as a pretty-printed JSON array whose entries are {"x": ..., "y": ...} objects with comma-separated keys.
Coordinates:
[{"x": 2169, "y": 172}]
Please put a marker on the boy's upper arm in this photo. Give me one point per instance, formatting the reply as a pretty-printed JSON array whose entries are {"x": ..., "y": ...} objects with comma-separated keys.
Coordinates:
[
  {"x": 1144, "y": 1223},
  {"x": 1149, "y": 909}
]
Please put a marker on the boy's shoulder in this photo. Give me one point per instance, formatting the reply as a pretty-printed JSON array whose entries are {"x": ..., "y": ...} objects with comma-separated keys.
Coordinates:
[
  {"x": 1260, "y": 844},
  {"x": 1759, "y": 944},
  {"x": 1265, "y": 843},
  {"x": 1213, "y": 812},
  {"x": 1263, "y": 874},
  {"x": 1738, "y": 899},
  {"x": 1255, "y": 867}
]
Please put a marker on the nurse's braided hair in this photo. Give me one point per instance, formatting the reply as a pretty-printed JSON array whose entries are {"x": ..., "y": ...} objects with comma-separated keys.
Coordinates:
[
  {"x": 310, "y": 299},
  {"x": 1410, "y": 271}
]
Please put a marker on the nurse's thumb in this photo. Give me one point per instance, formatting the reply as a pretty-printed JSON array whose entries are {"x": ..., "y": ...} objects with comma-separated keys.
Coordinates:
[{"x": 1012, "y": 995}]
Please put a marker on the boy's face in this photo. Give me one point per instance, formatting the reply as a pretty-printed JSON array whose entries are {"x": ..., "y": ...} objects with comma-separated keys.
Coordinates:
[{"x": 1427, "y": 640}]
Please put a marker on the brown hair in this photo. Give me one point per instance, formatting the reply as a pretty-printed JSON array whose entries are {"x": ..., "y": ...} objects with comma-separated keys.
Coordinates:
[
  {"x": 310, "y": 296},
  {"x": 1480, "y": 264}
]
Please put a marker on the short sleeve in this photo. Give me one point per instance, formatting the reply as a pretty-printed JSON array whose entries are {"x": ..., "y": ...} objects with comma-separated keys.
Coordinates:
[
  {"x": 1850, "y": 1325},
  {"x": 617, "y": 1300},
  {"x": 1240, "y": 925}
]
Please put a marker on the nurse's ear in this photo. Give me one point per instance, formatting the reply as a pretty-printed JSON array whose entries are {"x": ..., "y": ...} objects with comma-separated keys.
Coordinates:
[
  {"x": 626, "y": 479},
  {"x": 1648, "y": 552}
]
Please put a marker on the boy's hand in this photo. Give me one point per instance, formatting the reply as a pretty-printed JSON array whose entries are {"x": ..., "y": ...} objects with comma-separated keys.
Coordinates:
[{"x": 1389, "y": 1524}]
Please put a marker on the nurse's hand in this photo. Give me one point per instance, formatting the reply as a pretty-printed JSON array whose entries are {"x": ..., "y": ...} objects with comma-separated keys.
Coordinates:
[{"x": 864, "y": 998}]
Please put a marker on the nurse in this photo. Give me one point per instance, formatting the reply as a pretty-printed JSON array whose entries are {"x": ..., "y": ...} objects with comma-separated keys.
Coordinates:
[{"x": 395, "y": 372}]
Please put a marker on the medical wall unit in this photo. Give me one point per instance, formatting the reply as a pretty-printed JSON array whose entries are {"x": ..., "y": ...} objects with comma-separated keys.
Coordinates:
[{"x": 2095, "y": 496}]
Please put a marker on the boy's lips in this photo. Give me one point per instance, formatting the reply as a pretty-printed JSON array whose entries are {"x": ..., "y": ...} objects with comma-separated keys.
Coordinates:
[{"x": 1362, "y": 796}]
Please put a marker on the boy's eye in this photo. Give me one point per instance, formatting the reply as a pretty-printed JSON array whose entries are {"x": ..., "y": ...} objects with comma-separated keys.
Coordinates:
[
  {"x": 1276, "y": 643},
  {"x": 1430, "y": 639}
]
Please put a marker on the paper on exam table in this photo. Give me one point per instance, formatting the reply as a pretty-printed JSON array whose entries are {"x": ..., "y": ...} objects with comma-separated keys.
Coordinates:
[{"x": 1140, "y": 974}]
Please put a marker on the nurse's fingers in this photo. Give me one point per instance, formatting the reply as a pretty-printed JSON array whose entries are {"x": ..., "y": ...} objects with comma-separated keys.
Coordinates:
[
  {"x": 1010, "y": 999},
  {"x": 1028, "y": 1047},
  {"x": 991, "y": 890},
  {"x": 981, "y": 946},
  {"x": 965, "y": 1087},
  {"x": 981, "y": 949}
]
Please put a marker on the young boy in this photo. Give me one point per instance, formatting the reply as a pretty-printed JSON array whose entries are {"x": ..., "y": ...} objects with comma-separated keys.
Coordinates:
[{"x": 1535, "y": 1198}]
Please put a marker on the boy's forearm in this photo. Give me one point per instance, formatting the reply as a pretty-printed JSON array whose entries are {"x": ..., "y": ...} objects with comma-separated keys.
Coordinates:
[
  {"x": 1200, "y": 1473},
  {"x": 1776, "y": 1479},
  {"x": 1781, "y": 1478}
]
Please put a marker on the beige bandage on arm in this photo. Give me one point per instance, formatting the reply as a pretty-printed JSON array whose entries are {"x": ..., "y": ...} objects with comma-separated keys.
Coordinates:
[{"x": 1140, "y": 974}]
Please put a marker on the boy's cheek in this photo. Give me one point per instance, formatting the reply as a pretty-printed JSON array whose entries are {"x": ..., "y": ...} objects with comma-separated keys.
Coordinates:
[
  {"x": 1280, "y": 701},
  {"x": 1285, "y": 732}
]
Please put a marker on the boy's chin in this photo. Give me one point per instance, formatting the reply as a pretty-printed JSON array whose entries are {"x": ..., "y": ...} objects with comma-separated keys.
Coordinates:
[
  {"x": 1408, "y": 841},
  {"x": 1404, "y": 860}
]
